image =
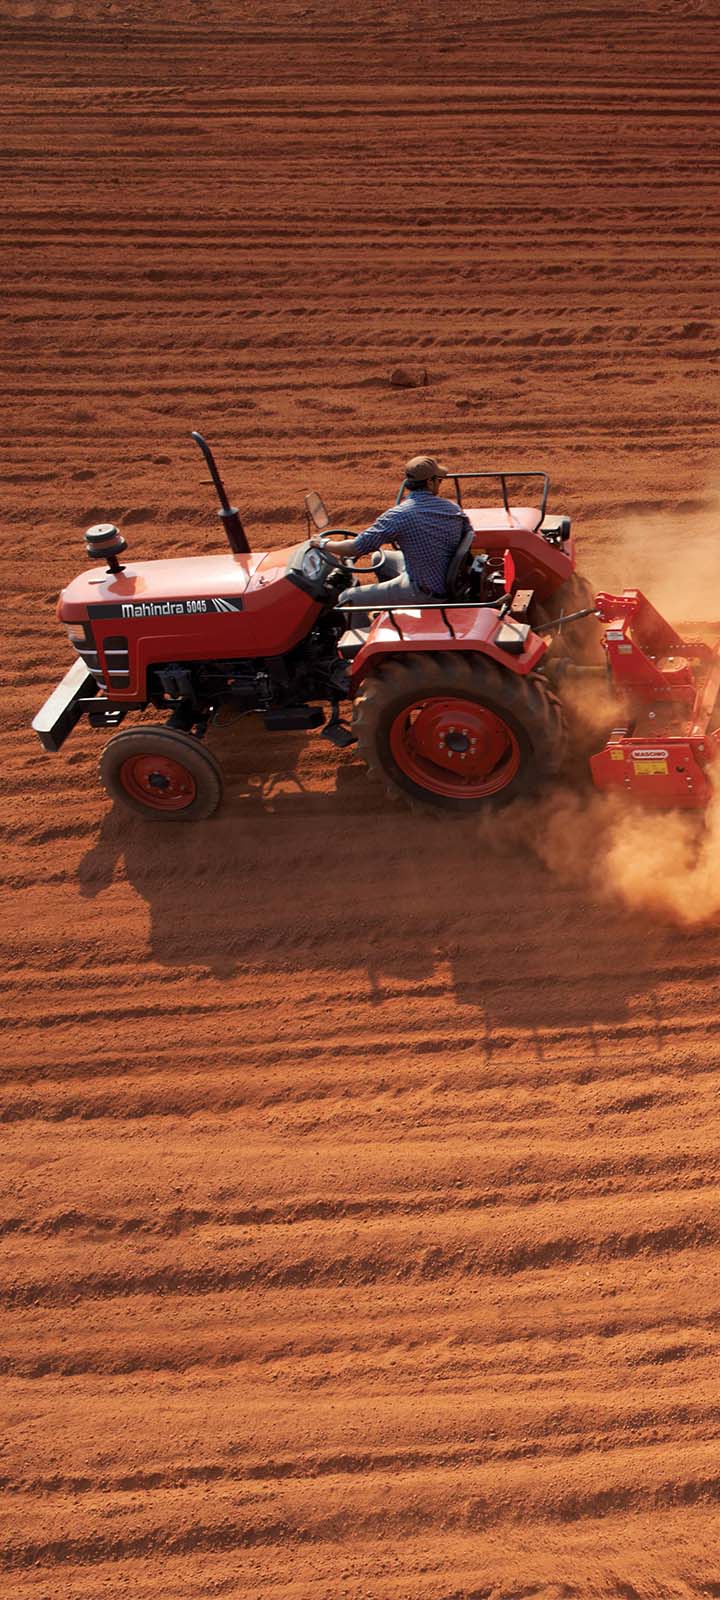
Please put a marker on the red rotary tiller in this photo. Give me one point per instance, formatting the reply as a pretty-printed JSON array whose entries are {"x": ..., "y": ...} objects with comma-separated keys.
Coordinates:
[{"x": 667, "y": 736}]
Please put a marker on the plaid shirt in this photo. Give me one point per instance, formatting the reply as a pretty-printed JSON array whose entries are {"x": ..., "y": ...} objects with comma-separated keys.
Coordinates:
[{"x": 427, "y": 529}]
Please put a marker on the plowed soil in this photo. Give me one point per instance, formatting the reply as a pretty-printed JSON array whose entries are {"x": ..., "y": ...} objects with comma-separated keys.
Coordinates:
[{"x": 360, "y": 1198}]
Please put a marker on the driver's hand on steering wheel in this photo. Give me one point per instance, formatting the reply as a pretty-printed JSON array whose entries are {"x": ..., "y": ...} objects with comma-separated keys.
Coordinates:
[{"x": 341, "y": 549}]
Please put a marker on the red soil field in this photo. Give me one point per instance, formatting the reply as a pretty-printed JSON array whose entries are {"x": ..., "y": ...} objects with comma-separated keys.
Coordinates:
[{"x": 360, "y": 1193}]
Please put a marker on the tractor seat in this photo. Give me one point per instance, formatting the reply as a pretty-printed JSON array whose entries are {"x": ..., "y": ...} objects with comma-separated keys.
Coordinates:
[{"x": 458, "y": 573}]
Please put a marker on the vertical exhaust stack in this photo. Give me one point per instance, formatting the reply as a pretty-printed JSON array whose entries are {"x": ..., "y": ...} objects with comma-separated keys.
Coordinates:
[{"x": 229, "y": 515}]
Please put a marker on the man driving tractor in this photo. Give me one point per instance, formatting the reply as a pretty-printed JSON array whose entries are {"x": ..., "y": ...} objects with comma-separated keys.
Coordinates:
[{"x": 427, "y": 530}]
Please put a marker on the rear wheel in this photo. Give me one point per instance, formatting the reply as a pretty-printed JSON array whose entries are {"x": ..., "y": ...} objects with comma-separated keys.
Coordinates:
[
  {"x": 579, "y": 641},
  {"x": 161, "y": 772},
  {"x": 458, "y": 733}
]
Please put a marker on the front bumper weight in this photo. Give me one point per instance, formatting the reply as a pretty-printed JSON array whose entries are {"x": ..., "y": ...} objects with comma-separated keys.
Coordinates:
[{"x": 64, "y": 707}]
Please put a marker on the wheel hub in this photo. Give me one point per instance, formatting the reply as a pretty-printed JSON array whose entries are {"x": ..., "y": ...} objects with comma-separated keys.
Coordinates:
[
  {"x": 455, "y": 747},
  {"x": 159, "y": 782},
  {"x": 457, "y": 741}
]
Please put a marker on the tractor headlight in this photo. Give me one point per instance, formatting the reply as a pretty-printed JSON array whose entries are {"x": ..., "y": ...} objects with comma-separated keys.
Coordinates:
[{"x": 313, "y": 565}]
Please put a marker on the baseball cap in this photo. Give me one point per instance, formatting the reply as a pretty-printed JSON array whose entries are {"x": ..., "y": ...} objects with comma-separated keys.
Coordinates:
[{"x": 422, "y": 467}]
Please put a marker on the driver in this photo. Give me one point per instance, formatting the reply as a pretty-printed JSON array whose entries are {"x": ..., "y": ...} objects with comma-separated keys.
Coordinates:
[{"x": 427, "y": 530}]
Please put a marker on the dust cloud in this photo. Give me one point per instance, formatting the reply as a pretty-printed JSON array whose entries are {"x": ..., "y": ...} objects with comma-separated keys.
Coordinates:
[
  {"x": 673, "y": 556},
  {"x": 666, "y": 863}
]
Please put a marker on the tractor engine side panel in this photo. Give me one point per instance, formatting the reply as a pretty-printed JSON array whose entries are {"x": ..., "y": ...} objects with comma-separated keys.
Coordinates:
[{"x": 128, "y": 642}]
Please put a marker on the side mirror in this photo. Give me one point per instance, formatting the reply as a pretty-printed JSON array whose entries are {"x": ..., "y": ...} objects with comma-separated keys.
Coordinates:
[{"x": 315, "y": 512}]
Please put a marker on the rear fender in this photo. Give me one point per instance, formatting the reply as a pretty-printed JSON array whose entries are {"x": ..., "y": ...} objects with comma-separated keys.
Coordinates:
[
  {"x": 539, "y": 565},
  {"x": 473, "y": 630}
]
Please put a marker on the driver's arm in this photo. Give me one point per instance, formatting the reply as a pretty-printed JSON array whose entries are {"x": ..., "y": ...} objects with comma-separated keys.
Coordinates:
[
  {"x": 339, "y": 547},
  {"x": 364, "y": 543}
]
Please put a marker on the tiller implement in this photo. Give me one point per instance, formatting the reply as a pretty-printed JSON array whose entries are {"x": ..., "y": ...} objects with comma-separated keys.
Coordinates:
[
  {"x": 457, "y": 702},
  {"x": 665, "y": 741}
]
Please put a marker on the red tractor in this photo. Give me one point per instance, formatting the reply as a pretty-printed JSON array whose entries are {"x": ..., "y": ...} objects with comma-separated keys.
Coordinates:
[{"x": 451, "y": 701}]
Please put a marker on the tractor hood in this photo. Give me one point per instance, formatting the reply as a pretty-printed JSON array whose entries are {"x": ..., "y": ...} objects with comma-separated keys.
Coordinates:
[{"x": 165, "y": 588}]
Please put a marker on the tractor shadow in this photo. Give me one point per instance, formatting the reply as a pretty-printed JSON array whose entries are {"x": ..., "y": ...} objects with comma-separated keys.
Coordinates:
[{"x": 308, "y": 866}]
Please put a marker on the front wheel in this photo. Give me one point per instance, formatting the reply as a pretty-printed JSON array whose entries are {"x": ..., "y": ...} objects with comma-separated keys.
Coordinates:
[
  {"x": 161, "y": 772},
  {"x": 458, "y": 733}
]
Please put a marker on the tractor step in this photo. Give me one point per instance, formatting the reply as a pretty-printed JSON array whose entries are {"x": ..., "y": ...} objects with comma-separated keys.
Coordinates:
[
  {"x": 339, "y": 735},
  {"x": 511, "y": 637},
  {"x": 297, "y": 717},
  {"x": 351, "y": 642}
]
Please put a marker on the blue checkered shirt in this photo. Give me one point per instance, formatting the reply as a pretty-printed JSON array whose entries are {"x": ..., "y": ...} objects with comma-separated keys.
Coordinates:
[{"x": 427, "y": 529}]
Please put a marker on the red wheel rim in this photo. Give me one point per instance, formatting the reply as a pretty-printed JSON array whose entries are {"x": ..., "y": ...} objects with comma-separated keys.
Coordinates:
[
  {"x": 158, "y": 782},
  {"x": 454, "y": 747}
]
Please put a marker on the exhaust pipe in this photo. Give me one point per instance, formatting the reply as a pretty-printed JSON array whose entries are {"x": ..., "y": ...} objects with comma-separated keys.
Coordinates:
[{"x": 229, "y": 515}]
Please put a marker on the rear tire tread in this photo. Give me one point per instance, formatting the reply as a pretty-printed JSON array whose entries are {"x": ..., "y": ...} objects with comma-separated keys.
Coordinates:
[
  {"x": 581, "y": 641},
  {"x": 529, "y": 700}
]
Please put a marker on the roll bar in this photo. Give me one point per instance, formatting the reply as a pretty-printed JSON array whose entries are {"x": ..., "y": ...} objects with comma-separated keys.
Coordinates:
[{"x": 498, "y": 477}]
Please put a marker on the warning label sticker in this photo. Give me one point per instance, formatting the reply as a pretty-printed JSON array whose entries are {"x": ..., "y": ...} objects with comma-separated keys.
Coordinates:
[{"x": 647, "y": 762}]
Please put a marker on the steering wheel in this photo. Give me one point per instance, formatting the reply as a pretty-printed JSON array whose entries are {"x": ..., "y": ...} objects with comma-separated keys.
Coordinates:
[
  {"x": 376, "y": 560},
  {"x": 328, "y": 555}
]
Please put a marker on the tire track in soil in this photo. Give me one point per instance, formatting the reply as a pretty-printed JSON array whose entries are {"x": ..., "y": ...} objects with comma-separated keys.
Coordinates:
[{"x": 358, "y": 1217}]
